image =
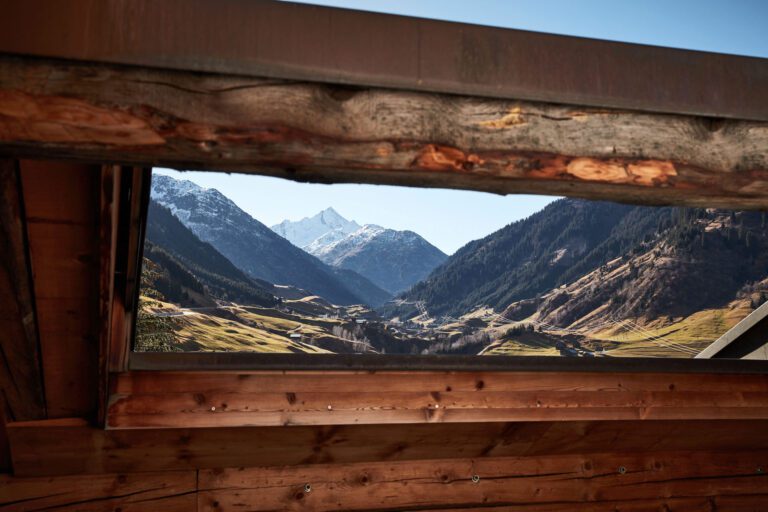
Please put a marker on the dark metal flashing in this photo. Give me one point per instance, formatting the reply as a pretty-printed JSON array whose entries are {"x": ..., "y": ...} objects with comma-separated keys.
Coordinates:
[
  {"x": 304, "y": 42},
  {"x": 249, "y": 361},
  {"x": 742, "y": 339}
]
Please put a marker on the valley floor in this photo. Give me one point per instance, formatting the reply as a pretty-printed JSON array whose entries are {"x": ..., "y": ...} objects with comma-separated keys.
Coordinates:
[{"x": 311, "y": 325}]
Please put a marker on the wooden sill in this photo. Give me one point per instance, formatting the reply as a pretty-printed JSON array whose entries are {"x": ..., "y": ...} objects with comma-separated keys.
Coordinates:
[{"x": 141, "y": 400}]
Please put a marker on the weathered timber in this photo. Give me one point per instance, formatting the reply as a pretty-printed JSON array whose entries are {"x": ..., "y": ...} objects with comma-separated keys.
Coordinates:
[
  {"x": 5, "y": 445},
  {"x": 72, "y": 447},
  {"x": 310, "y": 42},
  {"x": 109, "y": 204},
  {"x": 130, "y": 247},
  {"x": 557, "y": 483},
  {"x": 218, "y": 399},
  {"x": 21, "y": 379},
  {"x": 324, "y": 133},
  {"x": 61, "y": 202},
  {"x": 172, "y": 491}
]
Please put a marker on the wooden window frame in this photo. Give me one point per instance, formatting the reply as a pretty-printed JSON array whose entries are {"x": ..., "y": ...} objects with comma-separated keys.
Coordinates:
[
  {"x": 267, "y": 107},
  {"x": 131, "y": 231}
]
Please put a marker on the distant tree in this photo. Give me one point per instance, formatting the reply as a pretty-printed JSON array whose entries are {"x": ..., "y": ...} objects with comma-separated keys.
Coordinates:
[{"x": 153, "y": 333}]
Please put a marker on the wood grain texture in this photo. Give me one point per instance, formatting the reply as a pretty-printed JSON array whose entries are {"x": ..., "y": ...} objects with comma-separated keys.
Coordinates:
[
  {"x": 219, "y": 399},
  {"x": 307, "y": 131},
  {"x": 61, "y": 202},
  {"x": 172, "y": 491},
  {"x": 134, "y": 190},
  {"x": 72, "y": 447},
  {"x": 565, "y": 482},
  {"x": 21, "y": 379}
]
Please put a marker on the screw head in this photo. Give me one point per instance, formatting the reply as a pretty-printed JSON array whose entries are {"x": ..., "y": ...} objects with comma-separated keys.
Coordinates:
[
  {"x": 475, "y": 478},
  {"x": 622, "y": 470},
  {"x": 213, "y": 409},
  {"x": 330, "y": 407},
  {"x": 307, "y": 488},
  {"x": 759, "y": 470}
]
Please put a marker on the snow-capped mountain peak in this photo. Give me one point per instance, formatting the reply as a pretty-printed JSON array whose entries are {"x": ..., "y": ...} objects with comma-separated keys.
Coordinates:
[
  {"x": 321, "y": 229},
  {"x": 394, "y": 260},
  {"x": 250, "y": 245}
]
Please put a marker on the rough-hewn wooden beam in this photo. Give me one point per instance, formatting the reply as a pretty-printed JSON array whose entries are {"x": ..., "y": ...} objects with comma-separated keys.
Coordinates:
[
  {"x": 309, "y": 131},
  {"x": 613, "y": 482},
  {"x": 21, "y": 378},
  {"x": 56, "y": 447},
  {"x": 217, "y": 399}
]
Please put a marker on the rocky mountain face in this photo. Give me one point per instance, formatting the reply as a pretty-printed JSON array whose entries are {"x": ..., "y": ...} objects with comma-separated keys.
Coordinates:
[
  {"x": 392, "y": 260},
  {"x": 250, "y": 245},
  {"x": 578, "y": 258},
  {"x": 314, "y": 232},
  {"x": 697, "y": 260},
  {"x": 190, "y": 272}
]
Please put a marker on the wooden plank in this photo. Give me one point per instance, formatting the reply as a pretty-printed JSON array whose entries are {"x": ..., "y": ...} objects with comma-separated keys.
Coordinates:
[
  {"x": 5, "y": 444},
  {"x": 44, "y": 448},
  {"x": 168, "y": 491},
  {"x": 560, "y": 482},
  {"x": 62, "y": 205},
  {"x": 21, "y": 380},
  {"x": 705, "y": 504},
  {"x": 130, "y": 244},
  {"x": 109, "y": 209},
  {"x": 314, "y": 132},
  {"x": 444, "y": 381},
  {"x": 218, "y": 399}
]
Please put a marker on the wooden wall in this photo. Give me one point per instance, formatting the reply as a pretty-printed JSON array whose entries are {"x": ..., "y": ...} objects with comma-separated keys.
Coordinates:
[
  {"x": 392, "y": 441},
  {"x": 62, "y": 219}
]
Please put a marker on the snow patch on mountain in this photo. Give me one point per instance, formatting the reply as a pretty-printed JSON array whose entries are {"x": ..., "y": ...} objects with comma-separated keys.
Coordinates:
[
  {"x": 324, "y": 228},
  {"x": 393, "y": 260}
]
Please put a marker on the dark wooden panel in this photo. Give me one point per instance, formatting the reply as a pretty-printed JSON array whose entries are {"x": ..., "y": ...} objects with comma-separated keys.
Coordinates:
[
  {"x": 21, "y": 377},
  {"x": 656, "y": 481},
  {"x": 5, "y": 444},
  {"x": 218, "y": 399},
  {"x": 248, "y": 361},
  {"x": 61, "y": 447},
  {"x": 306, "y": 131},
  {"x": 139, "y": 492},
  {"x": 62, "y": 204}
]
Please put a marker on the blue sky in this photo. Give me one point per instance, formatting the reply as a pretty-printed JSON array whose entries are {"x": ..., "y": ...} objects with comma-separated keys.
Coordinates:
[{"x": 450, "y": 218}]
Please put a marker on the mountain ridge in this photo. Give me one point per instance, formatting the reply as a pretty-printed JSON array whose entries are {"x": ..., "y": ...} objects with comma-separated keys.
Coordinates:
[
  {"x": 393, "y": 260},
  {"x": 247, "y": 243}
]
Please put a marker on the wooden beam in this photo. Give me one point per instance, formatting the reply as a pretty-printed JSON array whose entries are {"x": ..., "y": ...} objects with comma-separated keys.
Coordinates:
[
  {"x": 168, "y": 491},
  {"x": 326, "y": 133},
  {"x": 56, "y": 447},
  {"x": 218, "y": 399},
  {"x": 62, "y": 206},
  {"x": 109, "y": 207},
  {"x": 654, "y": 481},
  {"x": 134, "y": 191},
  {"x": 21, "y": 380}
]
